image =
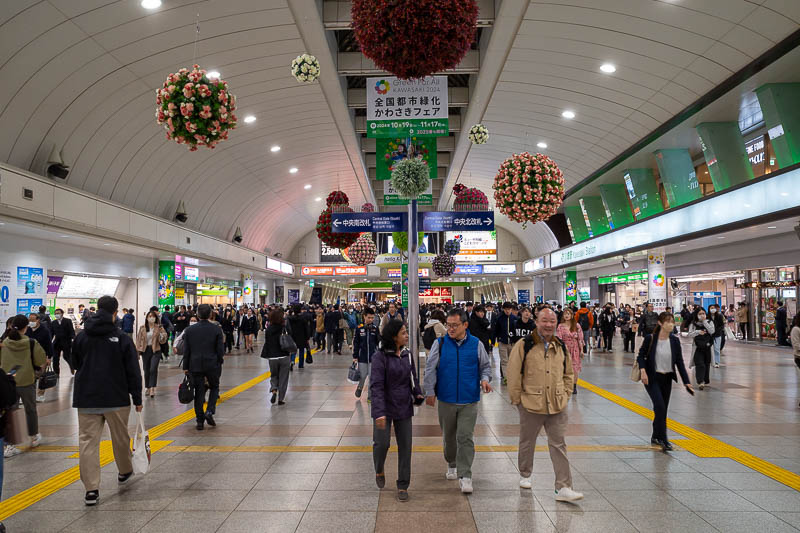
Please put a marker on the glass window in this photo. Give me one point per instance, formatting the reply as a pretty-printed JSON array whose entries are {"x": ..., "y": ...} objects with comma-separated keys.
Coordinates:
[
  {"x": 768, "y": 275},
  {"x": 786, "y": 274}
]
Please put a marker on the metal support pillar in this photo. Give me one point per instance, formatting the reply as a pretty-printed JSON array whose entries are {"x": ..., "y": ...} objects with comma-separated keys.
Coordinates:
[{"x": 413, "y": 283}]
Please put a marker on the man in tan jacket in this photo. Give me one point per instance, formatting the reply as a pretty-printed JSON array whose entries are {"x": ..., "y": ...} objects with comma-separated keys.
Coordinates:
[{"x": 539, "y": 384}]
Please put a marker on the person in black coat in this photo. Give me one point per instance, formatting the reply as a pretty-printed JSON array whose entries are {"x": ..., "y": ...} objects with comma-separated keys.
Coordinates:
[
  {"x": 63, "y": 332},
  {"x": 297, "y": 326},
  {"x": 203, "y": 355},
  {"x": 249, "y": 328},
  {"x": 780, "y": 325},
  {"x": 659, "y": 356},
  {"x": 279, "y": 359},
  {"x": 228, "y": 324},
  {"x": 608, "y": 325},
  {"x": 480, "y": 327}
]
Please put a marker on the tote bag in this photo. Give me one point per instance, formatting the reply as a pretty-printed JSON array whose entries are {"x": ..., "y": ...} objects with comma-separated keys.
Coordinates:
[
  {"x": 16, "y": 426},
  {"x": 141, "y": 447}
]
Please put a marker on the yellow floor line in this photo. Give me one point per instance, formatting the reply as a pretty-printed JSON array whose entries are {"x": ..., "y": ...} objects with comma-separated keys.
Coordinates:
[
  {"x": 367, "y": 448},
  {"x": 38, "y": 492},
  {"x": 703, "y": 445}
]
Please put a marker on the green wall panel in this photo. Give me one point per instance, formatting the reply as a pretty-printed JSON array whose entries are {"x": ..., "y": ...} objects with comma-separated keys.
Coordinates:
[
  {"x": 780, "y": 103},
  {"x": 596, "y": 212},
  {"x": 575, "y": 216},
  {"x": 678, "y": 176},
  {"x": 725, "y": 154},
  {"x": 616, "y": 199},
  {"x": 643, "y": 192}
]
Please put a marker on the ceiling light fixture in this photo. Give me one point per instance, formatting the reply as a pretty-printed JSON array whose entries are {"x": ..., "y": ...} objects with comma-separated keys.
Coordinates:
[
  {"x": 293, "y": 170},
  {"x": 307, "y": 186},
  {"x": 275, "y": 148},
  {"x": 772, "y": 227},
  {"x": 720, "y": 237},
  {"x": 151, "y": 4},
  {"x": 568, "y": 114},
  {"x": 542, "y": 145},
  {"x": 318, "y": 199},
  {"x": 213, "y": 75},
  {"x": 249, "y": 119},
  {"x": 608, "y": 68}
]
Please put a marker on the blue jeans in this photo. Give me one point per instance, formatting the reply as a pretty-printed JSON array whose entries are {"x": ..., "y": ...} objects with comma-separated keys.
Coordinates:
[
  {"x": 717, "y": 344},
  {"x": 303, "y": 352}
]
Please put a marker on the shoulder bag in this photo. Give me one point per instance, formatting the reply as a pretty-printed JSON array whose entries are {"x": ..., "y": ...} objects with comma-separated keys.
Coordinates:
[
  {"x": 287, "y": 342},
  {"x": 636, "y": 372}
]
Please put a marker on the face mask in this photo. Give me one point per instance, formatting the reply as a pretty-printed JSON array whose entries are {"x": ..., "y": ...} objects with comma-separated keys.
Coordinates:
[
  {"x": 58, "y": 316},
  {"x": 34, "y": 325},
  {"x": 712, "y": 311},
  {"x": 151, "y": 319}
]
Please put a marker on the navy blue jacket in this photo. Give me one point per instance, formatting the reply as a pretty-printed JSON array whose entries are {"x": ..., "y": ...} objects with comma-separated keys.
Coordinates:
[
  {"x": 332, "y": 321},
  {"x": 647, "y": 358},
  {"x": 504, "y": 328},
  {"x": 43, "y": 336},
  {"x": 458, "y": 375},
  {"x": 127, "y": 322},
  {"x": 390, "y": 384},
  {"x": 365, "y": 342}
]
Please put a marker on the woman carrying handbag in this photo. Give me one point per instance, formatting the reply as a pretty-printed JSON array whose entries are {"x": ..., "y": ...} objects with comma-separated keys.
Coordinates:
[
  {"x": 279, "y": 357},
  {"x": 149, "y": 339},
  {"x": 395, "y": 392}
]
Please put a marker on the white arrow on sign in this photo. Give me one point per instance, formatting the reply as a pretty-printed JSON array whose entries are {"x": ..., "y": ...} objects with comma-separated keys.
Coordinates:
[
  {"x": 488, "y": 221},
  {"x": 337, "y": 223}
]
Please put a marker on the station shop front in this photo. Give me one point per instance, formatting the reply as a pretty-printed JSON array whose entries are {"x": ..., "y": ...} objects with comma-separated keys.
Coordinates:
[{"x": 764, "y": 289}]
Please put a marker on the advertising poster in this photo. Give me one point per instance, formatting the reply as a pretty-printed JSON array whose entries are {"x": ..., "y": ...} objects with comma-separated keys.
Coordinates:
[
  {"x": 404, "y": 274},
  {"x": 26, "y": 306},
  {"x": 392, "y": 196},
  {"x": 53, "y": 284},
  {"x": 330, "y": 255},
  {"x": 247, "y": 290},
  {"x": 571, "y": 286},
  {"x": 30, "y": 282},
  {"x": 524, "y": 296},
  {"x": 278, "y": 294},
  {"x": 403, "y": 108},
  {"x": 475, "y": 245},
  {"x": 294, "y": 296},
  {"x": 657, "y": 280},
  {"x": 7, "y": 309},
  {"x": 390, "y": 151},
  {"x": 166, "y": 284}
]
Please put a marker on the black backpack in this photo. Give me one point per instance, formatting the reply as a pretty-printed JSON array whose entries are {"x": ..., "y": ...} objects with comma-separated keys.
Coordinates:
[
  {"x": 429, "y": 337},
  {"x": 583, "y": 321}
]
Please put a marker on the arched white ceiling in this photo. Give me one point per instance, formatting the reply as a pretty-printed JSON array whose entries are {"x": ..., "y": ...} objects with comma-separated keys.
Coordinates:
[
  {"x": 667, "y": 53},
  {"x": 81, "y": 75}
]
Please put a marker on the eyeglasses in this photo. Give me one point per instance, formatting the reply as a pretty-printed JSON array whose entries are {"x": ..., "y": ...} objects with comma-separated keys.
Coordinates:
[{"x": 453, "y": 326}]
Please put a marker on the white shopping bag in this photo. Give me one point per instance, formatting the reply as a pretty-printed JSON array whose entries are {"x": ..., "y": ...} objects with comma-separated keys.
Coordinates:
[{"x": 141, "y": 448}]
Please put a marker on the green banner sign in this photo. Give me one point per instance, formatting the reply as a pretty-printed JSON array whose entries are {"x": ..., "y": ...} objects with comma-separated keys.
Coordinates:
[
  {"x": 725, "y": 154},
  {"x": 622, "y": 278},
  {"x": 577, "y": 223},
  {"x": 404, "y": 281},
  {"x": 571, "y": 285},
  {"x": 643, "y": 192},
  {"x": 596, "y": 212},
  {"x": 779, "y": 104},
  {"x": 678, "y": 176},
  {"x": 393, "y": 197},
  {"x": 615, "y": 197},
  {"x": 392, "y": 150},
  {"x": 437, "y": 127},
  {"x": 166, "y": 284},
  {"x": 405, "y": 108}
]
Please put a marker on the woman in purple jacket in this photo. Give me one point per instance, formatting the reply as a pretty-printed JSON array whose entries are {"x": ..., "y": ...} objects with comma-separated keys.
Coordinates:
[{"x": 395, "y": 390}]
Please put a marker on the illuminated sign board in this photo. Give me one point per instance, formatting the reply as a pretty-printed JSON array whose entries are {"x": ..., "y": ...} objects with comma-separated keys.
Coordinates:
[{"x": 475, "y": 245}]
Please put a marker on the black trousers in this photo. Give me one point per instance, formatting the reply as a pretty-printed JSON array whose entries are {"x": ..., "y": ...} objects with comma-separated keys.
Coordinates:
[
  {"x": 228, "y": 341},
  {"x": 381, "y": 438},
  {"x": 199, "y": 381},
  {"x": 743, "y": 327},
  {"x": 608, "y": 339},
  {"x": 150, "y": 361},
  {"x": 61, "y": 349},
  {"x": 781, "y": 334},
  {"x": 702, "y": 365},
  {"x": 659, "y": 389},
  {"x": 629, "y": 340}
]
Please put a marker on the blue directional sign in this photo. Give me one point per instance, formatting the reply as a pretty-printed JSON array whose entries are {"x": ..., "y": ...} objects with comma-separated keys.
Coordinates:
[
  {"x": 370, "y": 222},
  {"x": 468, "y": 269},
  {"x": 457, "y": 220}
]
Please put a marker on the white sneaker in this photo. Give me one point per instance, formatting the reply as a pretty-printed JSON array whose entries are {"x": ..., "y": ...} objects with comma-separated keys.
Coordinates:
[
  {"x": 11, "y": 451},
  {"x": 566, "y": 494},
  {"x": 716, "y": 365},
  {"x": 525, "y": 482},
  {"x": 452, "y": 473},
  {"x": 466, "y": 485},
  {"x": 36, "y": 440},
  {"x": 40, "y": 398}
]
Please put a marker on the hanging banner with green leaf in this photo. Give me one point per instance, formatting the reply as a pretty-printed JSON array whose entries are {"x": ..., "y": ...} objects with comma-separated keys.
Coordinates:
[{"x": 391, "y": 150}]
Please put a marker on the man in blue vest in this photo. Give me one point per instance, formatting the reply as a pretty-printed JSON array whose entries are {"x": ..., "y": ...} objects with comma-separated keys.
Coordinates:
[{"x": 458, "y": 368}]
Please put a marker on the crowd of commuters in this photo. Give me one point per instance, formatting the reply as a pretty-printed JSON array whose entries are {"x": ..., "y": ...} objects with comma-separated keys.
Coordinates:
[{"x": 541, "y": 351}]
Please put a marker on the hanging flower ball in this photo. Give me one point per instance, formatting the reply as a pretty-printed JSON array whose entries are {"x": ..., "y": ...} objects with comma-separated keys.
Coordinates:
[
  {"x": 411, "y": 177},
  {"x": 478, "y": 134},
  {"x": 414, "y": 39},
  {"x": 452, "y": 247},
  {"x": 528, "y": 188},
  {"x": 469, "y": 199},
  {"x": 368, "y": 208},
  {"x": 400, "y": 239},
  {"x": 305, "y": 68},
  {"x": 325, "y": 230},
  {"x": 363, "y": 251},
  {"x": 337, "y": 198},
  {"x": 444, "y": 265},
  {"x": 194, "y": 109}
]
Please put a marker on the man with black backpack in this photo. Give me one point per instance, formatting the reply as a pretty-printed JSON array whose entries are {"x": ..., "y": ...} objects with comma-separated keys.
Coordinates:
[
  {"x": 585, "y": 321},
  {"x": 540, "y": 381}
]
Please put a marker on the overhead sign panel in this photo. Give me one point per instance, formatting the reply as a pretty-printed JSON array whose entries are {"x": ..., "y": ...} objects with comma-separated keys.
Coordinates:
[
  {"x": 457, "y": 220},
  {"x": 403, "y": 108},
  {"x": 427, "y": 221},
  {"x": 368, "y": 222}
]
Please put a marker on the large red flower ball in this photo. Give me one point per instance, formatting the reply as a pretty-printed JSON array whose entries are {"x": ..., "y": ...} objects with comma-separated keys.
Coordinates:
[
  {"x": 528, "y": 188},
  {"x": 469, "y": 199},
  {"x": 363, "y": 251},
  {"x": 417, "y": 38},
  {"x": 325, "y": 230},
  {"x": 337, "y": 198}
]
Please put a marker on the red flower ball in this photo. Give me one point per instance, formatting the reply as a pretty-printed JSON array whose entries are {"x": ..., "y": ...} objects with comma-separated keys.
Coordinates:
[
  {"x": 326, "y": 234},
  {"x": 417, "y": 38},
  {"x": 337, "y": 198},
  {"x": 528, "y": 188},
  {"x": 469, "y": 199},
  {"x": 368, "y": 208}
]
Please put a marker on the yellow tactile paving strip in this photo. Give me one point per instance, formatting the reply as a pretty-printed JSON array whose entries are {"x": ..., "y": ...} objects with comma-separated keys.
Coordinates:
[{"x": 703, "y": 445}]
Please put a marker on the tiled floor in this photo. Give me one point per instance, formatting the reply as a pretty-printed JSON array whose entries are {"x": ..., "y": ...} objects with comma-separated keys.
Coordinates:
[{"x": 752, "y": 404}]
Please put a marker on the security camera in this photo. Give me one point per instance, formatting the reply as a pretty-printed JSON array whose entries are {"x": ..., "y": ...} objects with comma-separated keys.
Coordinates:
[
  {"x": 278, "y": 254},
  {"x": 55, "y": 165},
  {"x": 625, "y": 263},
  {"x": 180, "y": 214},
  {"x": 237, "y": 236}
]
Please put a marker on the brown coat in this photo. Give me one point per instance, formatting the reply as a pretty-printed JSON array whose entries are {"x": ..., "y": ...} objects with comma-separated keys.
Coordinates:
[
  {"x": 547, "y": 382},
  {"x": 741, "y": 315},
  {"x": 159, "y": 338}
]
